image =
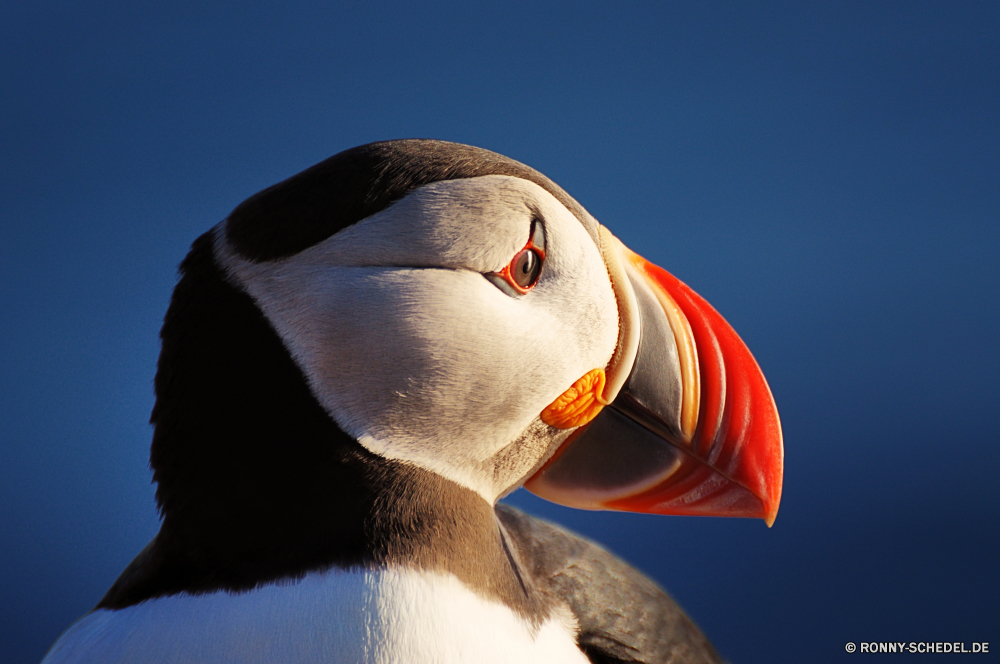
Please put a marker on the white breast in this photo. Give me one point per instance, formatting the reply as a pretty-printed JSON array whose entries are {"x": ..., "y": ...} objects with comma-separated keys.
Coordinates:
[{"x": 383, "y": 617}]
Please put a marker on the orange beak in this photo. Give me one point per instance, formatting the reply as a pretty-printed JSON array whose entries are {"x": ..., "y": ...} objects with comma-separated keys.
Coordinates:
[{"x": 690, "y": 425}]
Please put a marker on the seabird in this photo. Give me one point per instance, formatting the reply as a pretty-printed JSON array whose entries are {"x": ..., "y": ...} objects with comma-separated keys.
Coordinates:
[{"x": 360, "y": 361}]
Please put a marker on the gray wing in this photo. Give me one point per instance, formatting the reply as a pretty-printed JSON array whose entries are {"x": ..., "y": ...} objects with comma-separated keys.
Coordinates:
[{"x": 623, "y": 616}]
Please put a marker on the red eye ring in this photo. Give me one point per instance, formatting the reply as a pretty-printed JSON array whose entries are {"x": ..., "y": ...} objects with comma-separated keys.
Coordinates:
[{"x": 525, "y": 268}]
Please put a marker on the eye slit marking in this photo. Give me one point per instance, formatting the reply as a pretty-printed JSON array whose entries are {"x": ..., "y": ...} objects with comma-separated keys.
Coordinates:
[
  {"x": 537, "y": 235},
  {"x": 522, "y": 273}
]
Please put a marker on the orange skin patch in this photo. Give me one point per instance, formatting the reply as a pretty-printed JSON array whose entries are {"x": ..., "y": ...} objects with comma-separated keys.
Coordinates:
[{"x": 579, "y": 404}]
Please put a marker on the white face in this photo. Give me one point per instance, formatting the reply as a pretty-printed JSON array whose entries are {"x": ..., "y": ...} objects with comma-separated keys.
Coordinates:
[{"x": 415, "y": 353}]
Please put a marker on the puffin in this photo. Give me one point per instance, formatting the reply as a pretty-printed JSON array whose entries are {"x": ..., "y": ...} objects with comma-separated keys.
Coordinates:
[{"x": 360, "y": 361}]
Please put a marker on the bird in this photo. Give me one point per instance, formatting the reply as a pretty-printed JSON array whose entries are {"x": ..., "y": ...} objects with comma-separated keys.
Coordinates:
[{"x": 360, "y": 361}]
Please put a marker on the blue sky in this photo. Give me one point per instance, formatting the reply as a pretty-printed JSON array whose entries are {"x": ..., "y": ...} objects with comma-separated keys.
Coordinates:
[{"x": 827, "y": 175}]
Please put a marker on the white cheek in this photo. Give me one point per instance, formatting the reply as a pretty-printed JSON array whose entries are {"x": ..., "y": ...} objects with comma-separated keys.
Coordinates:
[{"x": 431, "y": 366}]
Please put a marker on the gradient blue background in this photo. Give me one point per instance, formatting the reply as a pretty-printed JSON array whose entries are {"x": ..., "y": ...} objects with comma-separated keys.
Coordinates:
[{"x": 827, "y": 175}]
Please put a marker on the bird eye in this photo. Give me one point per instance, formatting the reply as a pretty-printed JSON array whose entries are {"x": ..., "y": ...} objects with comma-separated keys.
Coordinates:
[
  {"x": 522, "y": 273},
  {"x": 525, "y": 268}
]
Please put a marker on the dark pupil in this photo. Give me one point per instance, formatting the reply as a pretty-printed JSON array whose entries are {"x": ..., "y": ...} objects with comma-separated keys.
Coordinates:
[{"x": 526, "y": 267}]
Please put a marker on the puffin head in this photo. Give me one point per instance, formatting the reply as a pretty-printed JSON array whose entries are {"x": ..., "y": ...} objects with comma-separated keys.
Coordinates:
[{"x": 449, "y": 310}]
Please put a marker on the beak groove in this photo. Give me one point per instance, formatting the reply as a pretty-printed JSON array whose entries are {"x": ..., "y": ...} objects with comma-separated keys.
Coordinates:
[{"x": 623, "y": 359}]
